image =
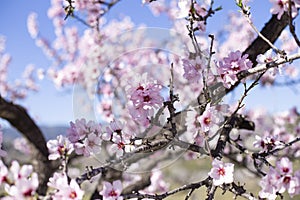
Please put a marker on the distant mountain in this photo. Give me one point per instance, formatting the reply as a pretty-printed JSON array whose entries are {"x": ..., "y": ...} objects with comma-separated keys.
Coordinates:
[{"x": 50, "y": 132}]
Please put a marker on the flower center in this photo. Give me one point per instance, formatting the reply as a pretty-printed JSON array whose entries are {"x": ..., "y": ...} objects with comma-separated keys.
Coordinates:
[
  {"x": 286, "y": 179},
  {"x": 221, "y": 171},
  {"x": 113, "y": 193},
  {"x": 73, "y": 195},
  {"x": 235, "y": 66},
  {"x": 147, "y": 98},
  {"x": 28, "y": 193},
  {"x": 61, "y": 150},
  {"x": 121, "y": 145},
  {"x": 285, "y": 170},
  {"x": 140, "y": 88},
  {"x": 207, "y": 120}
]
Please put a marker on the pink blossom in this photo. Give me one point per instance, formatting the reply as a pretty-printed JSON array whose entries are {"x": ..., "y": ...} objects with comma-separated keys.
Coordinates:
[
  {"x": 269, "y": 184},
  {"x": 80, "y": 129},
  {"x": 230, "y": 66},
  {"x": 56, "y": 9},
  {"x": 267, "y": 57},
  {"x": 21, "y": 144},
  {"x": 116, "y": 127},
  {"x": 284, "y": 165},
  {"x": 184, "y": 8},
  {"x": 267, "y": 142},
  {"x": 221, "y": 172},
  {"x": 157, "y": 7},
  {"x": 3, "y": 173},
  {"x": 194, "y": 133},
  {"x": 112, "y": 191},
  {"x": 58, "y": 180},
  {"x": 205, "y": 125},
  {"x": 64, "y": 190},
  {"x": 269, "y": 77},
  {"x": 20, "y": 182},
  {"x": 118, "y": 146},
  {"x": 71, "y": 191},
  {"x": 279, "y": 180},
  {"x": 210, "y": 119},
  {"x": 145, "y": 97},
  {"x": 193, "y": 69},
  {"x": 292, "y": 71},
  {"x": 32, "y": 25},
  {"x": 20, "y": 172},
  {"x": 297, "y": 187},
  {"x": 90, "y": 145},
  {"x": 24, "y": 188},
  {"x": 85, "y": 136},
  {"x": 121, "y": 145},
  {"x": 140, "y": 115},
  {"x": 59, "y": 148},
  {"x": 281, "y": 6},
  {"x": 158, "y": 184}
]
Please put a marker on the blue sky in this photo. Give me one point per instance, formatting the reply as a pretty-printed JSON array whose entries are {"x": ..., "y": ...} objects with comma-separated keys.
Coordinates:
[{"x": 51, "y": 106}]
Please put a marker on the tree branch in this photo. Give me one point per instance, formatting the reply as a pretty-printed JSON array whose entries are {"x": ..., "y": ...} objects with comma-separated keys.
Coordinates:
[
  {"x": 18, "y": 117},
  {"x": 271, "y": 31}
]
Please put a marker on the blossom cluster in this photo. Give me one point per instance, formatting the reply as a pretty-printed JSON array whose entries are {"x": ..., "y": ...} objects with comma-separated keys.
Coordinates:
[
  {"x": 230, "y": 66},
  {"x": 221, "y": 173},
  {"x": 80, "y": 60},
  {"x": 193, "y": 69},
  {"x": 20, "y": 182},
  {"x": 281, "y": 6},
  {"x": 283, "y": 129},
  {"x": 204, "y": 126},
  {"x": 61, "y": 148},
  {"x": 21, "y": 86},
  {"x": 145, "y": 97},
  {"x": 112, "y": 191},
  {"x": 120, "y": 138},
  {"x": 85, "y": 137},
  {"x": 62, "y": 189},
  {"x": 280, "y": 179}
]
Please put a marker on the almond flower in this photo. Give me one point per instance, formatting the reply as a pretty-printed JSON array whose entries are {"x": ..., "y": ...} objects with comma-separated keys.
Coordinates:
[
  {"x": 64, "y": 190},
  {"x": 221, "y": 172},
  {"x": 112, "y": 191},
  {"x": 280, "y": 179},
  {"x": 281, "y": 6},
  {"x": 145, "y": 97},
  {"x": 230, "y": 66},
  {"x": 59, "y": 148}
]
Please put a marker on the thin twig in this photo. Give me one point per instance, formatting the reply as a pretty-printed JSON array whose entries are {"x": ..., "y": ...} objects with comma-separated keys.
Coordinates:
[
  {"x": 264, "y": 67},
  {"x": 247, "y": 16}
]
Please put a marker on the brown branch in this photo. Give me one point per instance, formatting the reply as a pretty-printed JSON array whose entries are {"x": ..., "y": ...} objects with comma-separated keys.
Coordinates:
[
  {"x": 18, "y": 117},
  {"x": 206, "y": 182},
  {"x": 271, "y": 31}
]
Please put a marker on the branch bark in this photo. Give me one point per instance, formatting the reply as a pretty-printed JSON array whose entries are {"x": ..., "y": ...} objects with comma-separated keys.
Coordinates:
[
  {"x": 271, "y": 31},
  {"x": 18, "y": 117}
]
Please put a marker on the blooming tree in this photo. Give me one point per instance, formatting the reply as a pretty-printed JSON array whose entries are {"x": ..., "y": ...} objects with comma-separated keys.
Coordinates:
[{"x": 158, "y": 101}]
